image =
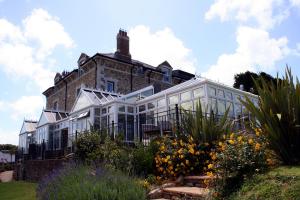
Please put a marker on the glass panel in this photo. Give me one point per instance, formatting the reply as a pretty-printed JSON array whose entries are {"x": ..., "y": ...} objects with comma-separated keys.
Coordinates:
[
  {"x": 132, "y": 98},
  {"x": 212, "y": 104},
  {"x": 221, "y": 107},
  {"x": 185, "y": 96},
  {"x": 221, "y": 94},
  {"x": 161, "y": 103},
  {"x": 173, "y": 99},
  {"x": 212, "y": 91},
  {"x": 82, "y": 102},
  {"x": 130, "y": 109},
  {"x": 103, "y": 110},
  {"x": 203, "y": 104},
  {"x": 199, "y": 92},
  {"x": 121, "y": 124},
  {"x": 142, "y": 108},
  {"x": 121, "y": 108},
  {"x": 237, "y": 97},
  {"x": 130, "y": 127},
  {"x": 97, "y": 111},
  {"x": 229, "y": 95},
  {"x": 146, "y": 93},
  {"x": 238, "y": 110},
  {"x": 109, "y": 109},
  {"x": 151, "y": 106},
  {"x": 230, "y": 106},
  {"x": 150, "y": 117},
  {"x": 187, "y": 105},
  {"x": 103, "y": 122}
]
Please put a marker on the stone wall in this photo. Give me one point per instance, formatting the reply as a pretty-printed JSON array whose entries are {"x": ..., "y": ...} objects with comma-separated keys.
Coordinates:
[
  {"x": 107, "y": 69},
  {"x": 35, "y": 170}
]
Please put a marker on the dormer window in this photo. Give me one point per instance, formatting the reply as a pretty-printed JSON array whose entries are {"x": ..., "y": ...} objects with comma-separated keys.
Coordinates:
[
  {"x": 110, "y": 86},
  {"x": 166, "y": 75}
]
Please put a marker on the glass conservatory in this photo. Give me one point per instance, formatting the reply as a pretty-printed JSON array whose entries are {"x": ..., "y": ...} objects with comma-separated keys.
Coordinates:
[{"x": 143, "y": 111}]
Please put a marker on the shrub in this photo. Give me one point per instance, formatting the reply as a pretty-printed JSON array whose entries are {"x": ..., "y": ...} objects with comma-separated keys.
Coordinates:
[
  {"x": 238, "y": 157},
  {"x": 143, "y": 159},
  {"x": 279, "y": 116},
  {"x": 85, "y": 183},
  {"x": 179, "y": 157},
  {"x": 88, "y": 147},
  {"x": 204, "y": 127}
]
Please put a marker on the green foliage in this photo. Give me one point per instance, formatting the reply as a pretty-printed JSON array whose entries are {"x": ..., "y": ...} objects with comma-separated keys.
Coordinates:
[
  {"x": 85, "y": 183},
  {"x": 143, "y": 159},
  {"x": 238, "y": 157},
  {"x": 203, "y": 127},
  {"x": 88, "y": 146},
  {"x": 282, "y": 183},
  {"x": 279, "y": 116},
  {"x": 17, "y": 190}
]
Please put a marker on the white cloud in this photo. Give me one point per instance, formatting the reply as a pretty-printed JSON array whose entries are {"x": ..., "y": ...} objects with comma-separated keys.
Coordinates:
[
  {"x": 245, "y": 11},
  {"x": 1, "y": 105},
  {"x": 25, "y": 50},
  {"x": 295, "y": 2},
  {"x": 9, "y": 137},
  {"x": 256, "y": 51},
  {"x": 26, "y": 106},
  {"x": 156, "y": 47}
]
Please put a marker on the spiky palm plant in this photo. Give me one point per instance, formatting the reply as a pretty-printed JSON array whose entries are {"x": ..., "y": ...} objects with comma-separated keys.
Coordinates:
[
  {"x": 205, "y": 127},
  {"x": 278, "y": 115}
]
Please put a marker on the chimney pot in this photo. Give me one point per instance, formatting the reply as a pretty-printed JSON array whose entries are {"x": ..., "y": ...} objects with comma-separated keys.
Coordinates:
[{"x": 123, "y": 45}]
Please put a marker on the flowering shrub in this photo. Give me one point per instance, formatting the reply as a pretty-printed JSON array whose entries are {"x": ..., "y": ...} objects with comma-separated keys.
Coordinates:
[
  {"x": 179, "y": 157},
  {"x": 238, "y": 156}
]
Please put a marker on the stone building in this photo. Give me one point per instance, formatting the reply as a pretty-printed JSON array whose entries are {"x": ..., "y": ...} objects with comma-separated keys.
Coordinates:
[{"x": 113, "y": 72}]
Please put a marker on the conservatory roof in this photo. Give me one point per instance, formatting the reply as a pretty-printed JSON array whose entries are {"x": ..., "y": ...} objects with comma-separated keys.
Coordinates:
[
  {"x": 50, "y": 116},
  {"x": 91, "y": 97},
  {"x": 192, "y": 83},
  {"x": 28, "y": 126}
]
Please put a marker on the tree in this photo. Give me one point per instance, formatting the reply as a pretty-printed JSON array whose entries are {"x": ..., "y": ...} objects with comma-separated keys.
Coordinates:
[{"x": 247, "y": 80}]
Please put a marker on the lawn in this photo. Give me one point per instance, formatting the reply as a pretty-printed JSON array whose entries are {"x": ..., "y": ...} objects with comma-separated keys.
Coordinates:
[
  {"x": 17, "y": 190},
  {"x": 280, "y": 183}
]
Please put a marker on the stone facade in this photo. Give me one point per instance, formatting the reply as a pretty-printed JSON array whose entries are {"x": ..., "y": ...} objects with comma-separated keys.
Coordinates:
[{"x": 127, "y": 75}]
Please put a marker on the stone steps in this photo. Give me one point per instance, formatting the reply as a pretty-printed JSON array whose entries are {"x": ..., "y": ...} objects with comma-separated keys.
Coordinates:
[{"x": 188, "y": 188}]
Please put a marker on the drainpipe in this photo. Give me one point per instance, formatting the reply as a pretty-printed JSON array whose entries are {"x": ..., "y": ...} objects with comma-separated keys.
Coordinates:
[
  {"x": 93, "y": 59},
  {"x": 131, "y": 77},
  {"x": 149, "y": 76},
  {"x": 66, "y": 92}
]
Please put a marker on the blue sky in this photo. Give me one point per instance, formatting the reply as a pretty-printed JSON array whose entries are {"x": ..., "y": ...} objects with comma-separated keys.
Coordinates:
[{"x": 215, "y": 39}]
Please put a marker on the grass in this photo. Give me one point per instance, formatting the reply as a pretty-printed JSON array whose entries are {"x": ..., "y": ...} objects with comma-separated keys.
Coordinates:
[
  {"x": 282, "y": 183},
  {"x": 17, "y": 190}
]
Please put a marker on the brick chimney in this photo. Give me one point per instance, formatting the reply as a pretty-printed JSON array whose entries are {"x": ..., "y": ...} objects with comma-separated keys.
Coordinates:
[{"x": 123, "y": 45}]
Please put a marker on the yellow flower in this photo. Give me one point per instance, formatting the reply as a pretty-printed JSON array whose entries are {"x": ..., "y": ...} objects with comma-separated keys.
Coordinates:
[
  {"x": 231, "y": 141},
  {"x": 250, "y": 141},
  {"x": 168, "y": 157},
  {"x": 180, "y": 151},
  {"x": 191, "y": 150},
  {"x": 214, "y": 157},
  {"x": 231, "y": 135},
  {"x": 162, "y": 148},
  {"x": 257, "y": 131},
  {"x": 210, "y": 166},
  {"x": 240, "y": 138},
  {"x": 209, "y": 174},
  {"x": 181, "y": 143},
  {"x": 220, "y": 144},
  {"x": 257, "y": 146}
]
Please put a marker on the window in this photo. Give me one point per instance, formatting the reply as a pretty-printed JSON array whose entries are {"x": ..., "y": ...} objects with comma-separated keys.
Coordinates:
[
  {"x": 199, "y": 92},
  {"x": 221, "y": 107},
  {"x": 187, "y": 105},
  {"x": 150, "y": 106},
  {"x": 121, "y": 108},
  {"x": 166, "y": 75},
  {"x": 212, "y": 91},
  {"x": 161, "y": 103},
  {"x": 221, "y": 94},
  {"x": 229, "y": 95},
  {"x": 173, "y": 99},
  {"x": 110, "y": 86},
  {"x": 202, "y": 102},
  {"x": 103, "y": 110},
  {"x": 142, "y": 108},
  {"x": 55, "y": 105},
  {"x": 230, "y": 106},
  {"x": 97, "y": 111},
  {"x": 185, "y": 96},
  {"x": 130, "y": 109},
  {"x": 212, "y": 105}
]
